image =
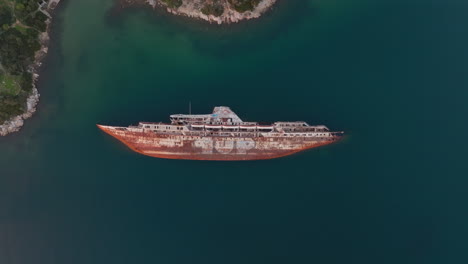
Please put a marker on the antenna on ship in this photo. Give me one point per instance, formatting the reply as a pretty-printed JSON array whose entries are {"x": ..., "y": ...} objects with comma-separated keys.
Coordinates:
[{"x": 190, "y": 108}]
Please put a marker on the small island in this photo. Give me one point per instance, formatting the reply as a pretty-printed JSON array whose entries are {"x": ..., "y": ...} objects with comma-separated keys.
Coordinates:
[
  {"x": 24, "y": 26},
  {"x": 216, "y": 11}
]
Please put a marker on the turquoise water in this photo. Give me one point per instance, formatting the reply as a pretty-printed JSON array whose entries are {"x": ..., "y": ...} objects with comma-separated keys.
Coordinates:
[{"x": 391, "y": 74}]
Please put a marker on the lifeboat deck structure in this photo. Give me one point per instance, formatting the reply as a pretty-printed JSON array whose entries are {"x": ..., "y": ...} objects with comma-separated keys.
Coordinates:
[{"x": 221, "y": 135}]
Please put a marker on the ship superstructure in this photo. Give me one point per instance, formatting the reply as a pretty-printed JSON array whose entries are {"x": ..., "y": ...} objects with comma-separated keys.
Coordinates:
[{"x": 221, "y": 135}]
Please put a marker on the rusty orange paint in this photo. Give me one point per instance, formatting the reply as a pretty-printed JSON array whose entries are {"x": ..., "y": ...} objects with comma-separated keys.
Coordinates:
[{"x": 212, "y": 148}]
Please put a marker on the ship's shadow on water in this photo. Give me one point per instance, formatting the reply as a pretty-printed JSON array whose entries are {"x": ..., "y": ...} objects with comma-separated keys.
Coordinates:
[{"x": 225, "y": 40}]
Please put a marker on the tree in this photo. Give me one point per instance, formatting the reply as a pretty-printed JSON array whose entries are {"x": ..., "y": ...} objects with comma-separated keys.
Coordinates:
[
  {"x": 6, "y": 16},
  {"x": 20, "y": 7},
  {"x": 244, "y": 5},
  {"x": 213, "y": 9}
]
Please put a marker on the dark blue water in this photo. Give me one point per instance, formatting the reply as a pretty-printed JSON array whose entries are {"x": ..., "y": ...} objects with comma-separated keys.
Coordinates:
[{"x": 392, "y": 74}]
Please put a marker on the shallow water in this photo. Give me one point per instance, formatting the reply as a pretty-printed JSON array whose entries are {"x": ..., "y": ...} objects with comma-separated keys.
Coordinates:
[{"x": 391, "y": 74}]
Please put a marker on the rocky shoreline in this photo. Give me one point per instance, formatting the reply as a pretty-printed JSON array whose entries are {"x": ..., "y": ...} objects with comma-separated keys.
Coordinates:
[
  {"x": 15, "y": 123},
  {"x": 193, "y": 9}
]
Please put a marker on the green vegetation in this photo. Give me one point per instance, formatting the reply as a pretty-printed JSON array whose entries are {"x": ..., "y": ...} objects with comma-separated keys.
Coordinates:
[
  {"x": 37, "y": 20},
  {"x": 215, "y": 9},
  {"x": 6, "y": 16},
  {"x": 11, "y": 106},
  {"x": 244, "y": 5},
  {"x": 173, "y": 3},
  {"x": 21, "y": 21},
  {"x": 10, "y": 84},
  {"x": 17, "y": 49}
]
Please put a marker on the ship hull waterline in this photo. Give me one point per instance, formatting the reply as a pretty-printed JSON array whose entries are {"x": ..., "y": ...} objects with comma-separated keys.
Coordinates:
[{"x": 210, "y": 148}]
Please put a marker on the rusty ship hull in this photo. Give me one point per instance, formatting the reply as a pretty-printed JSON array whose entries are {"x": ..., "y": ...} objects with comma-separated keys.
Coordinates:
[
  {"x": 211, "y": 148},
  {"x": 221, "y": 135}
]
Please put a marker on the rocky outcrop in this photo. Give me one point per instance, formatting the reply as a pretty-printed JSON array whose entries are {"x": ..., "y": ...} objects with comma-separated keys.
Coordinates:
[
  {"x": 15, "y": 124},
  {"x": 194, "y": 9}
]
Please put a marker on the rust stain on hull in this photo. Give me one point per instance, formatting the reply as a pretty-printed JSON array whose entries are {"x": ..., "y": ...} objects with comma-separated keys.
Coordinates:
[{"x": 212, "y": 148}]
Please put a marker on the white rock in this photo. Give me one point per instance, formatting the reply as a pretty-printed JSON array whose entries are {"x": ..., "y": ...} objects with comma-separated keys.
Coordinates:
[{"x": 192, "y": 9}]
